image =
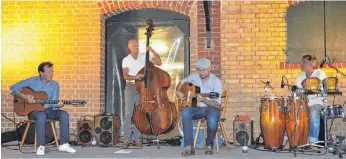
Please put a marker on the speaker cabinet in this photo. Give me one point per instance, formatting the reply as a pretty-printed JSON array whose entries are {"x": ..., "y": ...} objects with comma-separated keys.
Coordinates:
[
  {"x": 107, "y": 129},
  {"x": 85, "y": 131},
  {"x": 242, "y": 131}
]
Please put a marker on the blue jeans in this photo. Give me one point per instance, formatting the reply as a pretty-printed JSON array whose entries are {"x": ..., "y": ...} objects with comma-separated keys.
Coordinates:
[
  {"x": 41, "y": 117},
  {"x": 315, "y": 116},
  {"x": 211, "y": 114}
]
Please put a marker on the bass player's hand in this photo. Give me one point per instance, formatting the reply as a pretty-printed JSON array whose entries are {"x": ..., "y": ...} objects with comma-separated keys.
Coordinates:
[
  {"x": 29, "y": 98},
  {"x": 139, "y": 76}
]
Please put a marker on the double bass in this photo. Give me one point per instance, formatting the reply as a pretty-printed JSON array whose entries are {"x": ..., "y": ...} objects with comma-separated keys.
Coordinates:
[{"x": 155, "y": 114}]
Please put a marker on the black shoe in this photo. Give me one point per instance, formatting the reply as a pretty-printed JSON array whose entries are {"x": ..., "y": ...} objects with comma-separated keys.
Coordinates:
[
  {"x": 188, "y": 151},
  {"x": 209, "y": 150}
]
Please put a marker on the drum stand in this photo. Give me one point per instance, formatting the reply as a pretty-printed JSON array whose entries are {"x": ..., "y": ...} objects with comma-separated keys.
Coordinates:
[
  {"x": 296, "y": 148},
  {"x": 323, "y": 113}
]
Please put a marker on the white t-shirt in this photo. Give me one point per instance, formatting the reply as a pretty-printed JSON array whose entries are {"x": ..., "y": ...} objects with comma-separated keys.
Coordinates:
[
  {"x": 134, "y": 65},
  {"x": 313, "y": 99}
]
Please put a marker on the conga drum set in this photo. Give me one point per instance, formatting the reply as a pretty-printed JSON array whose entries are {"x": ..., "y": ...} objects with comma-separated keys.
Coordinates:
[{"x": 291, "y": 114}]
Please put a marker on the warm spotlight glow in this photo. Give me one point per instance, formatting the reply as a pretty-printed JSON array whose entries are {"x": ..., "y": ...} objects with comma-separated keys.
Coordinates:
[
  {"x": 172, "y": 66},
  {"x": 158, "y": 45}
]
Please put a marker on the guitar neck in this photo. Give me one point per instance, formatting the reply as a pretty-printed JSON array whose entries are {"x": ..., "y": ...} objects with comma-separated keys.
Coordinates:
[{"x": 54, "y": 102}]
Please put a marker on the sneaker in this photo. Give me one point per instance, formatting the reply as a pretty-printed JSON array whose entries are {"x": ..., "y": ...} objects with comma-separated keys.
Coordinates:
[
  {"x": 40, "y": 150},
  {"x": 209, "y": 150},
  {"x": 188, "y": 151},
  {"x": 67, "y": 148},
  {"x": 138, "y": 143},
  {"x": 125, "y": 144}
]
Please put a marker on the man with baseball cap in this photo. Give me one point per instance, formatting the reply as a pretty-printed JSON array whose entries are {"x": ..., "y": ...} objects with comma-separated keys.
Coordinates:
[{"x": 205, "y": 108}]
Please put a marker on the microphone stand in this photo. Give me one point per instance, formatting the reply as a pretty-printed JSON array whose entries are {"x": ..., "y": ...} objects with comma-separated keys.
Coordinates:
[
  {"x": 336, "y": 148},
  {"x": 336, "y": 69},
  {"x": 294, "y": 89}
]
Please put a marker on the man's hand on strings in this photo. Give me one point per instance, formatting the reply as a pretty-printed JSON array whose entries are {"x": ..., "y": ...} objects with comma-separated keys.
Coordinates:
[
  {"x": 180, "y": 95},
  {"x": 139, "y": 77}
]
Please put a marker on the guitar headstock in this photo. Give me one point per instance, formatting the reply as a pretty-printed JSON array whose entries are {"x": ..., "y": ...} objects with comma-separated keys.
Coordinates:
[
  {"x": 214, "y": 95},
  {"x": 78, "y": 102},
  {"x": 150, "y": 28}
]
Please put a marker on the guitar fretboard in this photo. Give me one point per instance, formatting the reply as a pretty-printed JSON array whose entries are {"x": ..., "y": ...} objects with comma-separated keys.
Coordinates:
[{"x": 53, "y": 101}]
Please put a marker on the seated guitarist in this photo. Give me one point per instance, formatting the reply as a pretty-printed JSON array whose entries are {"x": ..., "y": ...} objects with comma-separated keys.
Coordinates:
[
  {"x": 44, "y": 82},
  {"x": 206, "y": 108}
]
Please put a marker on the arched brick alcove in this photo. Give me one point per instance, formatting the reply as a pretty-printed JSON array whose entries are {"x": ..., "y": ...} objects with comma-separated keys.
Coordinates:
[{"x": 114, "y": 7}]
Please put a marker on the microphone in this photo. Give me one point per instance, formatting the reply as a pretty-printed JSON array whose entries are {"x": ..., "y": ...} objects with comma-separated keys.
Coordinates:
[
  {"x": 282, "y": 82},
  {"x": 323, "y": 61}
]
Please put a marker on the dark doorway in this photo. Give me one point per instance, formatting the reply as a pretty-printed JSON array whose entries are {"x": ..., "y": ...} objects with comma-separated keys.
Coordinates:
[
  {"x": 305, "y": 31},
  {"x": 170, "y": 40}
]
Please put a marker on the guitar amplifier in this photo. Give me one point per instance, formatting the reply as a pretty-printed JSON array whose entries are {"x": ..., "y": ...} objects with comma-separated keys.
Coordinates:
[
  {"x": 85, "y": 131},
  {"x": 107, "y": 129},
  {"x": 243, "y": 130}
]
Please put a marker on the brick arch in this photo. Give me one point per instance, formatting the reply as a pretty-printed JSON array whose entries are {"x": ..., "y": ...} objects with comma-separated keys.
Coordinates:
[
  {"x": 114, "y": 7},
  {"x": 294, "y": 2}
]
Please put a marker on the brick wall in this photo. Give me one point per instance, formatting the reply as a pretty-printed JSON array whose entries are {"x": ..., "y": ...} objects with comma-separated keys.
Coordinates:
[
  {"x": 249, "y": 42},
  {"x": 253, "y": 41},
  {"x": 71, "y": 35},
  {"x": 66, "y": 33}
]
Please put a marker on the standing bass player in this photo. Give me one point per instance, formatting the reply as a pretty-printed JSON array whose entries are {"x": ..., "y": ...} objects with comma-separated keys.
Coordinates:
[{"x": 131, "y": 65}]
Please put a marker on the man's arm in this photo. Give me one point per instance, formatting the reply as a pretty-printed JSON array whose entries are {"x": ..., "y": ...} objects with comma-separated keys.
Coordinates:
[
  {"x": 214, "y": 103},
  {"x": 128, "y": 77},
  {"x": 16, "y": 88},
  {"x": 211, "y": 103},
  {"x": 155, "y": 58}
]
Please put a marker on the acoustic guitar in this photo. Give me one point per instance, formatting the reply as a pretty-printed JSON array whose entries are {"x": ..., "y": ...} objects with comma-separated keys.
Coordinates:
[
  {"x": 191, "y": 93},
  {"x": 22, "y": 107}
]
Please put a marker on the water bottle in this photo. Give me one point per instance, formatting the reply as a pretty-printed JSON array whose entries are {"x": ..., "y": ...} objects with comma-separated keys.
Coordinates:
[{"x": 94, "y": 142}]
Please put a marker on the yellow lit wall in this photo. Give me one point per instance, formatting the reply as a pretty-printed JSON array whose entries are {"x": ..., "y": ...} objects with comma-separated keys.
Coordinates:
[{"x": 66, "y": 33}]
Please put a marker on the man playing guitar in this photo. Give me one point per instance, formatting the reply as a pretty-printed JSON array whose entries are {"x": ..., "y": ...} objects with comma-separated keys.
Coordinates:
[
  {"x": 206, "y": 107},
  {"x": 44, "y": 82},
  {"x": 131, "y": 65}
]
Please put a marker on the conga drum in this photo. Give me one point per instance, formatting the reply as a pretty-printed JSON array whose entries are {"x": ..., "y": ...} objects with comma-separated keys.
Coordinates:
[
  {"x": 311, "y": 84},
  {"x": 302, "y": 128},
  {"x": 272, "y": 120},
  {"x": 330, "y": 84}
]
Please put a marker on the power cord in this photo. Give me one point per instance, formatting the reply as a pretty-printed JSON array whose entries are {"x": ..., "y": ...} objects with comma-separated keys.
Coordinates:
[{"x": 15, "y": 128}]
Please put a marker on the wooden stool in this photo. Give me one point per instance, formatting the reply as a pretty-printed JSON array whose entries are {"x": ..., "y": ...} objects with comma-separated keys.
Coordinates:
[
  {"x": 29, "y": 122},
  {"x": 222, "y": 119}
]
